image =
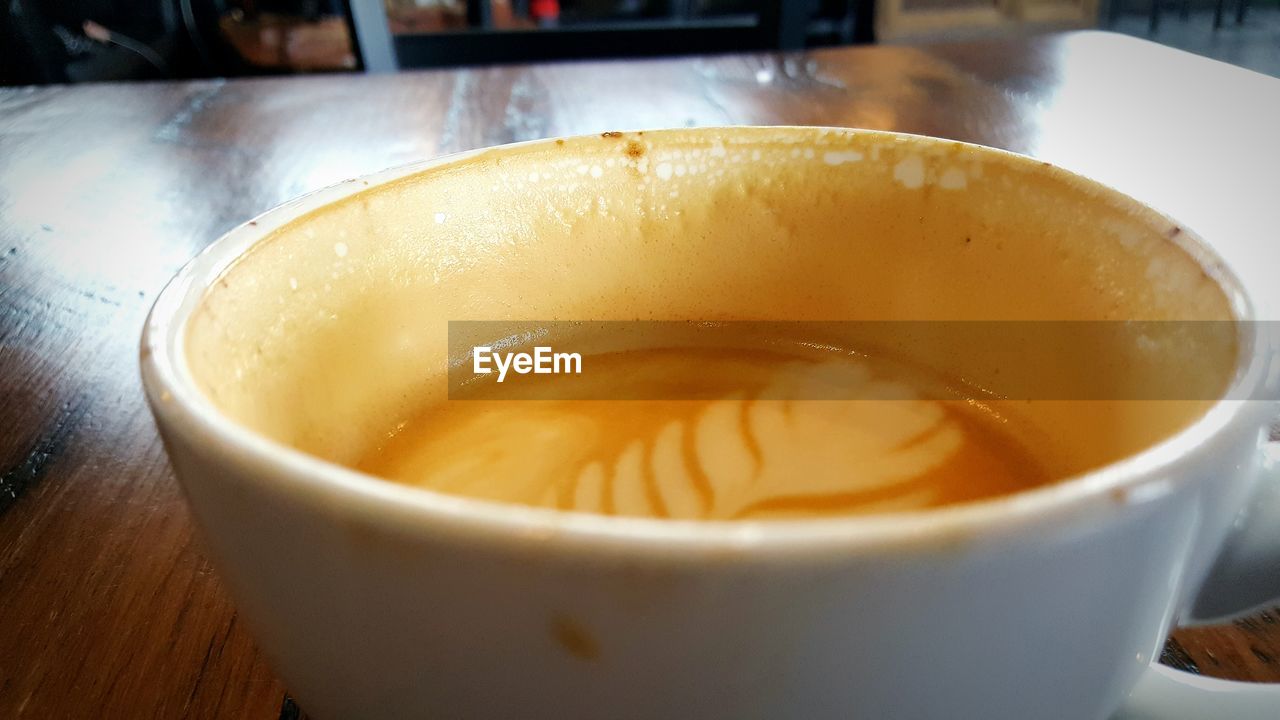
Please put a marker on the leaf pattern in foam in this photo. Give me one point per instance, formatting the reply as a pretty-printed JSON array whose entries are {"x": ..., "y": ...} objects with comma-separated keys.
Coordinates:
[{"x": 774, "y": 453}]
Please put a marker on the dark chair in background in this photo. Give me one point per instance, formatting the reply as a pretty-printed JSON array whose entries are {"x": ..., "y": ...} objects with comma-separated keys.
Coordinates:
[{"x": 44, "y": 41}]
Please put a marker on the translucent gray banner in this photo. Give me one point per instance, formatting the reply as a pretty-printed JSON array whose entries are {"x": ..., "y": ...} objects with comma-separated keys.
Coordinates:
[{"x": 861, "y": 360}]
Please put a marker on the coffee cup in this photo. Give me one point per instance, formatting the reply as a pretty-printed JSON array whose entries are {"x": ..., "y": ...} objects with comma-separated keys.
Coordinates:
[{"x": 278, "y": 355}]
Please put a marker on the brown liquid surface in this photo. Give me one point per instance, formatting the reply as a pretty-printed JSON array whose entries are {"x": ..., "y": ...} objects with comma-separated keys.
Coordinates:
[{"x": 760, "y": 447}]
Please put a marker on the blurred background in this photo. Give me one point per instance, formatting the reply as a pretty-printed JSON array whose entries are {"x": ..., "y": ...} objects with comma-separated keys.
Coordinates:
[{"x": 60, "y": 41}]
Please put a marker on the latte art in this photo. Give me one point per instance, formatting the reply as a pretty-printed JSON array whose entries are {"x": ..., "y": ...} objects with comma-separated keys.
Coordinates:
[{"x": 751, "y": 452}]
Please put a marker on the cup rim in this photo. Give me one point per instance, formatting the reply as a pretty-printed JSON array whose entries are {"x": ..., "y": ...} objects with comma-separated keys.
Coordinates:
[{"x": 179, "y": 405}]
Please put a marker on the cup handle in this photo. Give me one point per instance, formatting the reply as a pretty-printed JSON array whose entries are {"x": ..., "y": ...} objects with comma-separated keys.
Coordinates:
[
  {"x": 1163, "y": 693},
  {"x": 1246, "y": 575}
]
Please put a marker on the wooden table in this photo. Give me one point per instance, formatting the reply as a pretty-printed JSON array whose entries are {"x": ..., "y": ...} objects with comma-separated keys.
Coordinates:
[{"x": 108, "y": 607}]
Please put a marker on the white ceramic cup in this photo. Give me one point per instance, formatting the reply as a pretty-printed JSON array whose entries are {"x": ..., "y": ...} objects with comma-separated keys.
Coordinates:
[{"x": 379, "y": 600}]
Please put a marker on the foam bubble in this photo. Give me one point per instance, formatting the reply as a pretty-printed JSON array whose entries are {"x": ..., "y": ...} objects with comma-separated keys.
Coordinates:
[
  {"x": 840, "y": 157},
  {"x": 910, "y": 172},
  {"x": 953, "y": 179}
]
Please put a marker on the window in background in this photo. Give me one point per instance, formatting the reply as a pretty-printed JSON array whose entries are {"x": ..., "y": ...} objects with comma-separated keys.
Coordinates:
[
  {"x": 81, "y": 40},
  {"x": 288, "y": 35},
  {"x": 463, "y": 32}
]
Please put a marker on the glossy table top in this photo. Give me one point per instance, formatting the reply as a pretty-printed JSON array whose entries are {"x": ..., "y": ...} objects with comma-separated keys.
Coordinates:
[{"x": 107, "y": 604}]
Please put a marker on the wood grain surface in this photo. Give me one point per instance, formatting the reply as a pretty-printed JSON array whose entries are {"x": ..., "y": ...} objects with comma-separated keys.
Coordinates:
[{"x": 108, "y": 607}]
